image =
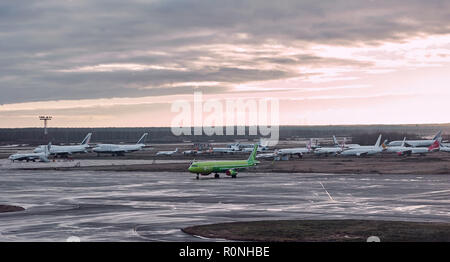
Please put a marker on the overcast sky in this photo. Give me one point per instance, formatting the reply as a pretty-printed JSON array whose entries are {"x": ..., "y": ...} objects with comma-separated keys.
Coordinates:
[{"x": 122, "y": 63}]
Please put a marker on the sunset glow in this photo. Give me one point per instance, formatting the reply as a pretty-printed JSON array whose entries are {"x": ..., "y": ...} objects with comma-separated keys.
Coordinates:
[{"x": 393, "y": 71}]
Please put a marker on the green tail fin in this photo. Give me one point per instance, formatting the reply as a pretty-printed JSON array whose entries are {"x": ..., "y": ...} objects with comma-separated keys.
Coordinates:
[{"x": 252, "y": 157}]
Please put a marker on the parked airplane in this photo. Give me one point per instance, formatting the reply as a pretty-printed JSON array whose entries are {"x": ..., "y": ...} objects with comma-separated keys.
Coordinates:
[
  {"x": 394, "y": 149},
  {"x": 120, "y": 150},
  {"x": 418, "y": 143},
  {"x": 42, "y": 156},
  {"x": 227, "y": 150},
  {"x": 287, "y": 152},
  {"x": 404, "y": 150},
  {"x": 238, "y": 145},
  {"x": 230, "y": 167},
  {"x": 167, "y": 153},
  {"x": 272, "y": 155},
  {"x": 444, "y": 148},
  {"x": 190, "y": 152},
  {"x": 336, "y": 144},
  {"x": 260, "y": 149},
  {"x": 67, "y": 150},
  {"x": 197, "y": 152},
  {"x": 329, "y": 150},
  {"x": 364, "y": 150},
  {"x": 337, "y": 149}
]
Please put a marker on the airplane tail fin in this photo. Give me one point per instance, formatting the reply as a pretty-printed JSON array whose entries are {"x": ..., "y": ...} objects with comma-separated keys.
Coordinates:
[
  {"x": 252, "y": 157},
  {"x": 142, "y": 139},
  {"x": 403, "y": 142},
  {"x": 377, "y": 144},
  {"x": 343, "y": 143},
  {"x": 434, "y": 146},
  {"x": 87, "y": 139},
  {"x": 438, "y": 136},
  {"x": 335, "y": 141},
  {"x": 47, "y": 149}
]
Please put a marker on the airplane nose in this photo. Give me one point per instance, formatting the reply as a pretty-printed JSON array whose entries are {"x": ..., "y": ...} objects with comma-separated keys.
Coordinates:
[{"x": 191, "y": 169}]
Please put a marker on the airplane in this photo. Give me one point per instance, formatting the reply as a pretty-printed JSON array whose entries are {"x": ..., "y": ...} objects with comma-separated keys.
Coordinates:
[
  {"x": 167, "y": 153},
  {"x": 364, "y": 150},
  {"x": 337, "y": 149},
  {"x": 336, "y": 144},
  {"x": 229, "y": 167},
  {"x": 197, "y": 152},
  {"x": 238, "y": 145},
  {"x": 227, "y": 150},
  {"x": 287, "y": 152},
  {"x": 120, "y": 150},
  {"x": 418, "y": 143},
  {"x": 329, "y": 150},
  {"x": 444, "y": 148},
  {"x": 394, "y": 149},
  {"x": 190, "y": 152},
  {"x": 260, "y": 149},
  {"x": 272, "y": 155},
  {"x": 404, "y": 150},
  {"x": 67, "y": 150},
  {"x": 262, "y": 146},
  {"x": 42, "y": 156}
]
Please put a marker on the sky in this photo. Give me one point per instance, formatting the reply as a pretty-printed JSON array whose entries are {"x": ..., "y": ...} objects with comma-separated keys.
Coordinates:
[{"x": 112, "y": 63}]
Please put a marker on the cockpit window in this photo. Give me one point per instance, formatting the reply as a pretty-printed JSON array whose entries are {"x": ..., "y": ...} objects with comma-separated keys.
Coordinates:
[{"x": 194, "y": 165}]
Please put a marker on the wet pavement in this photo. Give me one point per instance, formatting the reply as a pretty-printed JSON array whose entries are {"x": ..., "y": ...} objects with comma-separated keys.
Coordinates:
[{"x": 146, "y": 206}]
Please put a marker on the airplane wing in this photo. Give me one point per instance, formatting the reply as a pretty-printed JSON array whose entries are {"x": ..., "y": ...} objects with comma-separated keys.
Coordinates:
[{"x": 408, "y": 144}]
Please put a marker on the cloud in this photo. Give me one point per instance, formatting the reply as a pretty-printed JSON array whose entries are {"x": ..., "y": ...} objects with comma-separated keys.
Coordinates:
[{"x": 102, "y": 49}]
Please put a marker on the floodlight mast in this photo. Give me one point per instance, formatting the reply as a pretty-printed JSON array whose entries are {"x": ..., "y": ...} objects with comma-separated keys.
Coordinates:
[{"x": 45, "y": 119}]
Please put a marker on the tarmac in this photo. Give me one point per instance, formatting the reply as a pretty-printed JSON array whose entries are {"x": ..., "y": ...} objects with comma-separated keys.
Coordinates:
[{"x": 154, "y": 206}]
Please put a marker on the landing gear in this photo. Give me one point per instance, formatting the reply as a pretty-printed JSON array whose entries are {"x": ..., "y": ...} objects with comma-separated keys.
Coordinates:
[
  {"x": 198, "y": 177},
  {"x": 233, "y": 176},
  {"x": 216, "y": 176}
]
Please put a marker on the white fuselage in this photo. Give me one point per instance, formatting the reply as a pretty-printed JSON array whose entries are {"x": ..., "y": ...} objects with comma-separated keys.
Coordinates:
[
  {"x": 43, "y": 157},
  {"x": 328, "y": 150},
  {"x": 445, "y": 149},
  {"x": 55, "y": 150},
  {"x": 293, "y": 151},
  {"x": 250, "y": 149},
  {"x": 403, "y": 150},
  {"x": 266, "y": 155},
  {"x": 224, "y": 150},
  {"x": 414, "y": 143},
  {"x": 362, "y": 150},
  {"x": 113, "y": 148},
  {"x": 166, "y": 153}
]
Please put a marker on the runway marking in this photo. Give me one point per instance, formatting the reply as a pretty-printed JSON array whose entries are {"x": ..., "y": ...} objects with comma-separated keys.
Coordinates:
[{"x": 326, "y": 191}]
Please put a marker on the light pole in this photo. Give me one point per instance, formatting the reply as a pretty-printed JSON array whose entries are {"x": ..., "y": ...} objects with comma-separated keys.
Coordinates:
[{"x": 45, "y": 119}]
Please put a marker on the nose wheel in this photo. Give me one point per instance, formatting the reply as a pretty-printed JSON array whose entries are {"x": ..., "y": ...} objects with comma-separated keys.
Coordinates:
[
  {"x": 198, "y": 177},
  {"x": 216, "y": 176}
]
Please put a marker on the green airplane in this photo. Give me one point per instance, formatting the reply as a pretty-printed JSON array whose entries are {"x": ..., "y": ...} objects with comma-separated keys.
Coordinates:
[{"x": 229, "y": 167}]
